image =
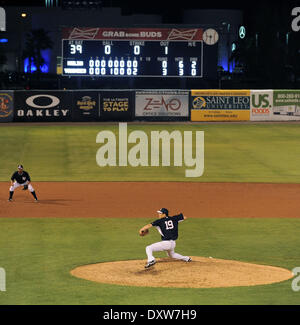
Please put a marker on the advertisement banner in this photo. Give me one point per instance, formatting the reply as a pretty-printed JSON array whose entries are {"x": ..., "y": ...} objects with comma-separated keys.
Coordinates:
[
  {"x": 115, "y": 33},
  {"x": 6, "y": 106},
  {"x": 162, "y": 103},
  {"x": 220, "y": 105},
  {"x": 116, "y": 105},
  {"x": 275, "y": 105},
  {"x": 43, "y": 106},
  {"x": 261, "y": 105},
  {"x": 86, "y": 106},
  {"x": 286, "y": 105}
]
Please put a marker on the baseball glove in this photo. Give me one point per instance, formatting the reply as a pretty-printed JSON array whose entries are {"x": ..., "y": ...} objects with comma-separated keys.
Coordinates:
[
  {"x": 25, "y": 187},
  {"x": 144, "y": 232}
]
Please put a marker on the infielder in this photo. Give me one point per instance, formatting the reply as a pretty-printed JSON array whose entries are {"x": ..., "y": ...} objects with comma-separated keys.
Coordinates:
[
  {"x": 21, "y": 178},
  {"x": 167, "y": 226}
]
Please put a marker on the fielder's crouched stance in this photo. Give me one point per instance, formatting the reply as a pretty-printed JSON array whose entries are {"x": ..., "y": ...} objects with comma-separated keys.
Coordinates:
[
  {"x": 168, "y": 228},
  {"x": 21, "y": 178}
]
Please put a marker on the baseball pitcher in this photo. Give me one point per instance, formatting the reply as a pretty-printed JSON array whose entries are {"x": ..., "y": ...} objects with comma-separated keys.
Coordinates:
[
  {"x": 167, "y": 226},
  {"x": 21, "y": 178}
]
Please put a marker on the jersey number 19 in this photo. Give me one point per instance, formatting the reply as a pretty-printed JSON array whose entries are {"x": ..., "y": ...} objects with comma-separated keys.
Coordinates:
[{"x": 169, "y": 224}]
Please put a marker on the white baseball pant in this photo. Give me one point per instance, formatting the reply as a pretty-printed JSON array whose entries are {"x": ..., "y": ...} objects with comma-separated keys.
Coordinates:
[
  {"x": 16, "y": 185},
  {"x": 165, "y": 245}
]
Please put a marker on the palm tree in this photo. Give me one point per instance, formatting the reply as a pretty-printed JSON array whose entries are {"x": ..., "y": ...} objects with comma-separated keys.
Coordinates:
[
  {"x": 29, "y": 51},
  {"x": 36, "y": 41}
]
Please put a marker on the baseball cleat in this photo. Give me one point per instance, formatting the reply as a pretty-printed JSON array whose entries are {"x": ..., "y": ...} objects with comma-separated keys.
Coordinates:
[
  {"x": 150, "y": 264},
  {"x": 9, "y": 200},
  {"x": 189, "y": 260},
  {"x": 36, "y": 200}
]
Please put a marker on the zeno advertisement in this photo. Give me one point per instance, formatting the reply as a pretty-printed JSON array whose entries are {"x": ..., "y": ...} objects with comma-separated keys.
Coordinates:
[
  {"x": 162, "y": 103},
  {"x": 220, "y": 105}
]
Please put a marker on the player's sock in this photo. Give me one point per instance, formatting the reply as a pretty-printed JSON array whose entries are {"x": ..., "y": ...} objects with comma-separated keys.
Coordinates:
[
  {"x": 11, "y": 193},
  {"x": 34, "y": 195}
]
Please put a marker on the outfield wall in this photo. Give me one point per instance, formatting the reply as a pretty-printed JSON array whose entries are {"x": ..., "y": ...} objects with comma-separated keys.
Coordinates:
[{"x": 149, "y": 105}]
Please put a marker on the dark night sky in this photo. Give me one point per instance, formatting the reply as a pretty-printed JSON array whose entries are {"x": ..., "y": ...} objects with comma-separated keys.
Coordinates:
[
  {"x": 154, "y": 5},
  {"x": 171, "y": 10}
]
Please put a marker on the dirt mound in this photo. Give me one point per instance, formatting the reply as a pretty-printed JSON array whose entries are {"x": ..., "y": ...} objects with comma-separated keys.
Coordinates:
[{"x": 200, "y": 273}]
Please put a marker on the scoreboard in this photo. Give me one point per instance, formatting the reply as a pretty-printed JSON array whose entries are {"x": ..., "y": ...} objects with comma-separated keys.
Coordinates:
[{"x": 133, "y": 52}]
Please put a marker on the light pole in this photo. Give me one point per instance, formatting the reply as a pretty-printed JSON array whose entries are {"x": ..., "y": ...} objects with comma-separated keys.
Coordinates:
[
  {"x": 22, "y": 18},
  {"x": 227, "y": 32},
  {"x": 228, "y": 47}
]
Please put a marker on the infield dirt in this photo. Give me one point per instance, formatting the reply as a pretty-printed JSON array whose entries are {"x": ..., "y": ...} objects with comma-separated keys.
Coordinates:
[{"x": 143, "y": 199}]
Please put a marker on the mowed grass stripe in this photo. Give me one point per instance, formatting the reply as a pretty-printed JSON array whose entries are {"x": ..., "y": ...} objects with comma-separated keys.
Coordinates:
[{"x": 233, "y": 153}]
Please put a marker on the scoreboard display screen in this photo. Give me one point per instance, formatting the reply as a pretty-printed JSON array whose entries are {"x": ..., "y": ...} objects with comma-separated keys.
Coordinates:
[{"x": 133, "y": 52}]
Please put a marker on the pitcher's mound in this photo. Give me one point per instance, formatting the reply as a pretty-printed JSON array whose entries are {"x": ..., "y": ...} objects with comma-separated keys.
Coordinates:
[{"x": 200, "y": 273}]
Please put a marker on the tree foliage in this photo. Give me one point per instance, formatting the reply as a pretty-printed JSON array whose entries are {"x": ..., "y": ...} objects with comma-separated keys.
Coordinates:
[{"x": 36, "y": 40}]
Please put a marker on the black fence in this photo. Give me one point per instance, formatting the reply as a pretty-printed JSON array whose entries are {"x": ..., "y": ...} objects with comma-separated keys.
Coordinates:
[
  {"x": 93, "y": 105},
  {"x": 122, "y": 105}
]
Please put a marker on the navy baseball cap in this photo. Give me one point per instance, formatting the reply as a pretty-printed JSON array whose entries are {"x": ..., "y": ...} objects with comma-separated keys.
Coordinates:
[
  {"x": 20, "y": 166},
  {"x": 163, "y": 210}
]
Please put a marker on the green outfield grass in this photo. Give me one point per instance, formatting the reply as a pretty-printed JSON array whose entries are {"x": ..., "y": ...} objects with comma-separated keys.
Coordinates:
[
  {"x": 38, "y": 255},
  {"x": 233, "y": 153}
]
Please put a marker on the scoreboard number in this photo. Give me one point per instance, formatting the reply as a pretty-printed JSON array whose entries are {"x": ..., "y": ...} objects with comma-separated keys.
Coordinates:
[
  {"x": 137, "y": 50},
  {"x": 75, "y": 48},
  {"x": 107, "y": 49}
]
